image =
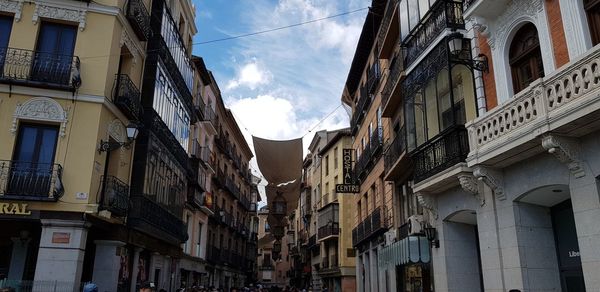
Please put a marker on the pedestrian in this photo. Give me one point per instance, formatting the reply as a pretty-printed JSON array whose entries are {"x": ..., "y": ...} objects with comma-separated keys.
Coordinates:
[
  {"x": 147, "y": 287},
  {"x": 90, "y": 287}
]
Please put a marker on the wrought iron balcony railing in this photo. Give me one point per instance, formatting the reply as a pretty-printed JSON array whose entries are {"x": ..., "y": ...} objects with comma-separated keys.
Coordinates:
[
  {"x": 232, "y": 188},
  {"x": 199, "y": 106},
  {"x": 127, "y": 97},
  {"x": 330, "y": 230},
  {"x": 39, "y": 69},
  {"x": 30, "y": 181},
  {"x": 444, "y": 14},
  {"x": 370, "y": 153},
  {"x": 209, "y": 117},
  {"x": 153, "y": 219},
  {"x": 386, "y": 21},
  {"x": 115, "y": 196},
  {"x": 139, "y": 18},
  {"x": 374, "y": 224},
  {"x": 395, "y": 149},
  {"x": 396, "y": 68},
  {"x": 361, "y": 108},
  {"x": 373, "y": 77},
  {"x": 443, "y": 151}
]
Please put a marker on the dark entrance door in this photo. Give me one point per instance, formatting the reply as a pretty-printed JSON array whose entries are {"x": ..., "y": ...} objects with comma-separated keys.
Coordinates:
[
  {"x": 413, "y": 278},
  {"x": 567, "y": 248},
  {"x": 54, "y": 53}
]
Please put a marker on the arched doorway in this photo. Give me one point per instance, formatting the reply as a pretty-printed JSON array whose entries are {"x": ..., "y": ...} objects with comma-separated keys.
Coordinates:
[
  {"x": 463, "y": 254},
  {"x": 525, "y": 57},
  {"x": 550, "y": 206}
]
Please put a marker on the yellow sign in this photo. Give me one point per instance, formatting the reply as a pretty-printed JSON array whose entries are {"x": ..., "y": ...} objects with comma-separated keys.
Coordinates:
[{"x": 14, "y": 209}]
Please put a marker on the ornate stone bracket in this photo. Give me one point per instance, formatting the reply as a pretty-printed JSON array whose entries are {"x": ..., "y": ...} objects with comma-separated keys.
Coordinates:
[
  {"x": 62, "y": 13},
  {"x": 469, "y": 183},
  {"x": 428, "y": 202},
  {"x": 40, "y": 109},
  {"x": 127, "y": 42},
  {"x": 12, "y": 6},
  {"x": 566, "y": 150},
  {"x": 492, "y": 178},
  {"x": 480, "y": 24}
]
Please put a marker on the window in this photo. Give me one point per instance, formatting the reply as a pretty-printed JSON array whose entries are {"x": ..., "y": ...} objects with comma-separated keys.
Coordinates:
[
  {"x": 169, "y": 107},
  {"x": 33, "y": 161},
  {"x": 54, "y": 53},
  {"x": 592, "y": 9},
  {"x": 199, "y": 243},
  {"x": 5, "y": 28},
  {"x": 335, "y": 158},
  {"x": 525, "y": 57},
  {"x": 327, "y": 165},
  {"x": 188, "y": 227}
]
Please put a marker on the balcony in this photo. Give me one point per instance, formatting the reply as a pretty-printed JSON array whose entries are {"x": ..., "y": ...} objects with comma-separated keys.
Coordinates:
[
  {"x": 232, "y": 188},
  {"x": 199, "y": 106},
  {"x": 226, "y": 218},
  {"x": 361, "y": 109},
  {"x": 127, "y": 97},
  {"x": 158, "y": 127},
  {"x": 115, "y": 196},
  {"x": 245, "y": 203},
  {"x": 395, "y": 159},
  {"x": 213, "y": 254},
  {"x": 374, "y": 224},
  {"x": 209, "y": 120},
  {"x": 139, "y": 18},
  {"x": 388, "y": 30},
  {"x": 373, "y": 78},
  {"x": 391, "y": 88},
  {"x": 30, "y": 181},
  {"x": 329, "y": 231},
  {"x": 439, "y": 153},
  {"x": 312, "y": 241},
  {"x": 200, "y": 152},
  {"x": 489, "y": 9},
  {"x": 370, "y": 154},
  {"x": 442, "y": 15},
  {"x": 564, "y": 103},
  {"x": 39, "y": 69},
  {"x": 153, "y": 219}
]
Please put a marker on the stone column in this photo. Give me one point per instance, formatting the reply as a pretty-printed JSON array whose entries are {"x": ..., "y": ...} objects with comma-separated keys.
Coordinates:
[
  {"x": 60, "y": 257},
  {"x": 374, "y": 269},
  {"x": 489, "y": 242},
  {"x": 367, "y": 265},
  {"x": 18, "y": 257},
  {"x": 134, "y": 268},
  {"x": 359, "y": 276},
  {"x": 107, "y": 263},
  {"x": 585, "y": 196}
]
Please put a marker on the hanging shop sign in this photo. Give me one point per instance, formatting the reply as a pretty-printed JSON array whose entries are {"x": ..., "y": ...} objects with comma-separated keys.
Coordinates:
[{"x": 349, "y": 184}]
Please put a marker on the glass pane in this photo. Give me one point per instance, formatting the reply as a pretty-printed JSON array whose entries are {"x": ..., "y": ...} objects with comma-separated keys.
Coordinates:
[
  {"x": 404, "y": 27},
  {"x": 464, "y": 94},
  {"x": 420, "y": 118},
  {"x": 423, "y": 7},
  {"x": 444, "y": 104},
  {"x": 410, "y": 126},
  {"x": 432, "y": 110},
  {"x": 47, "y": 146},
  {"x": 413, "y": 13},
  {"x": 5, "y": 28},
  {"x": 26, "y": 147}
]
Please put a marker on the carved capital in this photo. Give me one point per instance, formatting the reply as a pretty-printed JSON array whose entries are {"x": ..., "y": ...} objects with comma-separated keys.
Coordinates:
[
  {"x": 40, "y": 109},
  {"x": 429, "y": 202},
  {"x": 567, "y": 151},
  {"x": 468, "y": 182},
  {"x": 492, "y": 178}
]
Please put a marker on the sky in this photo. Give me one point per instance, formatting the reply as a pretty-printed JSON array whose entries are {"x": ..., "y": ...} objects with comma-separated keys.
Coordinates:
[{"x": 280, "y": 85}]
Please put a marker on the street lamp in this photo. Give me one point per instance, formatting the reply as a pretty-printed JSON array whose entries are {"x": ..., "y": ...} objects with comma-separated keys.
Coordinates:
[
  {"x": 132, "y": 131},
  {"x": 430, "y": 233},
  {"x": 455, "y": 46}
]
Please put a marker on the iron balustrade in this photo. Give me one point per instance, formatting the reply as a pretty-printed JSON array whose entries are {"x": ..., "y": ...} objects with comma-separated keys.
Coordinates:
[
  {"x": 443, "y": 14},
  {"x": 395, "y": 149},
  {"x": 373, "y": 77},
  {"x": 30, "y": 181},
  {"x": 370, "y": 153},
  {"x": 245, "y": 203},
  {"x": 376, "y": 140},
  {"x": 386, "y": 21},
  {"x": 392, "y": 79},
  {"x": 232, "y": 188},
  {"x": 200, "y": 152},
  {"x": 127, "y": 97},
  {"x": 209, "y": 116},
  {"x": 39, "y": 69},
  {"x": 330, "y": 229},
  {"x": 226, "y": 218},
  {"x": 164, "y": 134},
  {"x": 443, "y": 151},
  {"x": 374, "y": 224},
  {"x": 139, "y": 18},
  {"x": 362, "y": 107},
  {"x": 152, "y": 218},
  {"x": 115, "y": 197},
  {"x": 199, "y": 106}
]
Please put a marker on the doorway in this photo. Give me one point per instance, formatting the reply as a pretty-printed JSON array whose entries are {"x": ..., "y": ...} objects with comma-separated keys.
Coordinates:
[{"x": 567, "y": 247}]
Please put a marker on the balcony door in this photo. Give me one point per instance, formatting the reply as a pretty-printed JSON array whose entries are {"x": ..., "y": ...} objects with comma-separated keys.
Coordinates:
[
  {"x": 5, "y": 28},
  {"x": 592, "y": 9},
  {"x": 54, "y": 53},
  {"x": 33, "y": 161}
]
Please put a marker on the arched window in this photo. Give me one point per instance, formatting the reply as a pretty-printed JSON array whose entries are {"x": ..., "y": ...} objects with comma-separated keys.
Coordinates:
[
  {"x": 525, "y": 57},
  {"x": 592, "y": 9}
]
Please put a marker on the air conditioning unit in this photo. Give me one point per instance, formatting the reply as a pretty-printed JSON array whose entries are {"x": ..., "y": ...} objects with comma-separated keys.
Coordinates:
[
  {"x": 390, "y": 237},
  {"x": 415, "y": 224}
]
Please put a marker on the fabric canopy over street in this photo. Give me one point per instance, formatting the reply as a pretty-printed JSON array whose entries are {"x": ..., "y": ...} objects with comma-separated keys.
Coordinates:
[{"x": 280, "y": 162}]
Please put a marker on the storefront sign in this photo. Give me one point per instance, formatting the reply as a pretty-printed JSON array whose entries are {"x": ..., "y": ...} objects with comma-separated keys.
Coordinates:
[
  {"x": 349, "y": 185},
  {"x": 14, "y": 209},
  {"x": 61, "y": 237}
]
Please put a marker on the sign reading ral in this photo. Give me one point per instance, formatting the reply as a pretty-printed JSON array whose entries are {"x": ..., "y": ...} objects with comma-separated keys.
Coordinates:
[
  {"x": 348, "y": 185},
  {"x": 14, "y": 209}
]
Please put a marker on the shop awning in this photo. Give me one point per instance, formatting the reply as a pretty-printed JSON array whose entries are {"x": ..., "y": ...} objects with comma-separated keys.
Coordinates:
[{"x": 410, "y": 250}]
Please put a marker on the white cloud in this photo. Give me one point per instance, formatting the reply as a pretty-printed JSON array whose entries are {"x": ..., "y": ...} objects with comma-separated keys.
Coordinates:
[{"x": 250, "y": 75}]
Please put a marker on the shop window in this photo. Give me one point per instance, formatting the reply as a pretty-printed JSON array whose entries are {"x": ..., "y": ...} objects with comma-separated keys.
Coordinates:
[
  {"x": 525, "y": 57},
  {"x": 592, "y": 9}
]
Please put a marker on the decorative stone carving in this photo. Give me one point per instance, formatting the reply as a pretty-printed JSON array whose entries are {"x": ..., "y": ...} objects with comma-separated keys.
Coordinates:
[
  {"x": 12, "y": 6},
  {"x": 40, "y": 109},
  {"x": 515, "y": 10},
  {"x": 492, "y": 178},
  {"x": 53, "y": 12},
  {"x": 117, "y": 131},
  {"x": 468, "y": 182},
  {"x": 480, "y": 25},
  {"x": 128, "y": 42},
  {"x": 428, "y": 201},
  {"x": 566, "y": 150}
]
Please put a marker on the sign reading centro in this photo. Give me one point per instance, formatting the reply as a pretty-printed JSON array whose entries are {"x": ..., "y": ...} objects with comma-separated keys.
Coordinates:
[
  {"x": 349, "y": 186},
  {"x": 14, "y": 209}
]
